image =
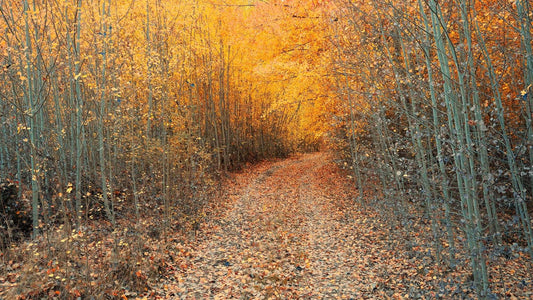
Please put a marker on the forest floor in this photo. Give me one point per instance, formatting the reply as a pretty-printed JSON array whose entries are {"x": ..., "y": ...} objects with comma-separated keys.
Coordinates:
[
  {"x": 285, "y": 229},
  {"x": 294, "y": 231}
]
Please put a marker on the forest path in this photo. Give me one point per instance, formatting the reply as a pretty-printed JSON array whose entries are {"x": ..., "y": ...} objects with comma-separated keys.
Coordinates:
[{"x": 286, "y": 237}]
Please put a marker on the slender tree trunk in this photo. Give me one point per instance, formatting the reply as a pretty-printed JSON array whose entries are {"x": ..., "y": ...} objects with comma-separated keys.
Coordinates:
[
  {"x": 444, "y": 181},
  {"x": 104, "y": 26},
  {"x": 30, "y": 98}
]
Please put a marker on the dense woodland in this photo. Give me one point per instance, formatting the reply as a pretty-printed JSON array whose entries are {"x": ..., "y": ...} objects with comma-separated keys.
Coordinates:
[{"x": 121, "y": 120}]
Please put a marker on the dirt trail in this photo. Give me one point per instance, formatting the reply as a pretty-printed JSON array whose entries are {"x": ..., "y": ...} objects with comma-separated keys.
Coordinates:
[{"x": 284, "y": 237}]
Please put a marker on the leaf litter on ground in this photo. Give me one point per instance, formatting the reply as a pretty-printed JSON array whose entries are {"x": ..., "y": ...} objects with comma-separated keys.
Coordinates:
[
  {"x": 294, "y": 231},
  {"x": 285, "y": 229}
]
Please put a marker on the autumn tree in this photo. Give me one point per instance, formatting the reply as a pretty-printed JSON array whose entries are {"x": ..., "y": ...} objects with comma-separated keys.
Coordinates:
[{"x": 433, "y": 109}]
